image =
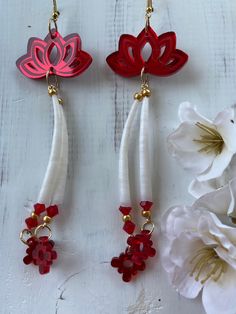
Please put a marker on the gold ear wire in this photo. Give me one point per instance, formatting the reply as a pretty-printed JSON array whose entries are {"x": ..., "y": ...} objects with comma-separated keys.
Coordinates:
[
  {"x": 55, "y": 13},
  {"x": 149, "y": 11}
]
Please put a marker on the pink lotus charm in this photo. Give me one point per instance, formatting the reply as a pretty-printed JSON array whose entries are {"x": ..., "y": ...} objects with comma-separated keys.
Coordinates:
[{"x": 69, "y": 59}]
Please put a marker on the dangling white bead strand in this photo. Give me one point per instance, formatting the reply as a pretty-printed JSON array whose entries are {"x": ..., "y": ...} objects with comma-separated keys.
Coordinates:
[
  {"x": 144, "y": 154},
  {"x": 124, "y": 185},
  {"x": 53, "y": 187}
]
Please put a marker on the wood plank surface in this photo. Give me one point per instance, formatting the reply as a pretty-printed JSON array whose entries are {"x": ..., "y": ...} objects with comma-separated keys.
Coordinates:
[{"x": 88, "y": 230}]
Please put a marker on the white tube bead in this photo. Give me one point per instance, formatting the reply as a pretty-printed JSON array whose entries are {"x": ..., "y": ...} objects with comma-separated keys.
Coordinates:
[
  {"x": 145, "y": 176},
  {"x": 124, "y": 185},
  {"x": 53, "y": 187}
]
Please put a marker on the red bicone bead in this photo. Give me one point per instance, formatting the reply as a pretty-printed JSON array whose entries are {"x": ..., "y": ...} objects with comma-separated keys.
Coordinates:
[
  {"x": 39, "y": 208},
  {"x": 125, "y": 210},
  {"x": 31, "y": 222},
  {"x": 129, "y": 227},
  {"x": 52, "y": 211},
  {"x": 146, "y": 205}
]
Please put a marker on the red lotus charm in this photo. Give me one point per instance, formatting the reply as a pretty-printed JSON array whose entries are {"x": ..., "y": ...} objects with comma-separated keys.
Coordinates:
[
  {"x": 69, "y": 60},
  {"x": 40, "y": 252},
  {"x": 133, "y": 259},
  {"x": 164, "y": 60}
]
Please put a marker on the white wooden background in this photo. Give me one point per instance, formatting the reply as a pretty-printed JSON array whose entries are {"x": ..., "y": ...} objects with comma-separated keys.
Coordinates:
[{"x": 88, "y": 231}]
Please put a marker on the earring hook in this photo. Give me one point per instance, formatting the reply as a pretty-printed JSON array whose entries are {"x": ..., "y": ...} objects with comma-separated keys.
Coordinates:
[
  {"x": 55, "y": 13},
  {"x": 149, "y": 11}
]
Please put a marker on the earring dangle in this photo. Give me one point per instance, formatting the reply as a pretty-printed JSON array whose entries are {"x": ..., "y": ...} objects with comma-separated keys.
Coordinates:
[
  {"x": 128, "y": 61},
  {"x": 39, "y": 62}
]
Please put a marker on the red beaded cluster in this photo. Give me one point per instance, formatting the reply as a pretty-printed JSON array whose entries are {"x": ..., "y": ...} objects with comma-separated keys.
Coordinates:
[
  {"x": 40, "y": 252},
  {"x": 130, "y": 262},
  {"x": 139, "y": 249},
  {"x": 40, "y": 249}
]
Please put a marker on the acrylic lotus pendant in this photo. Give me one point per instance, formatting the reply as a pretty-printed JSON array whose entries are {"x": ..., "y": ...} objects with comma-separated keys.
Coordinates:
[{"x": 164, "y": 60}]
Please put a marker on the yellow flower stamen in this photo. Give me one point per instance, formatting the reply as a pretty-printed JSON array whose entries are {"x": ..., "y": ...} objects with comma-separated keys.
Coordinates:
[
  {"x": 207, "y": 264},
  {"x": 212, "y": 141}
]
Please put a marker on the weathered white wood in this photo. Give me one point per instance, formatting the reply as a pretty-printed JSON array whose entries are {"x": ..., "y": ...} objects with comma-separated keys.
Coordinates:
[{"x": 96, "y": 105}]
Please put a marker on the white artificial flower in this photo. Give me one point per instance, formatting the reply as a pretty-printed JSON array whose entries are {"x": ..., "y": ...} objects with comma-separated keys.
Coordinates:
[
  {"x": 202, "y": 146},
  {"x": 199, "y": 188},
  {"x": 221, "y": 201},
  {"x": 199, "y": 254}
]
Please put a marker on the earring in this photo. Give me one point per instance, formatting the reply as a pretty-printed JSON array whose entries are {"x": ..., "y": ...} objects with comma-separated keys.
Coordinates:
[
  {"x": 128, "y": 61},
  {"x": 40, "y": 62}
]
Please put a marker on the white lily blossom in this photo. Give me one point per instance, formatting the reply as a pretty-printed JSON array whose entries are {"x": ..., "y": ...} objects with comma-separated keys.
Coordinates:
[
  {"x": 199, "y": 254},
  {"x": 202, "y": 146}
]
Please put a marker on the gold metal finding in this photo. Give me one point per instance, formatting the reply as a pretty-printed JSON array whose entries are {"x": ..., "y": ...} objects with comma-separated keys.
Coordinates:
[
  {"x": 41, "y": 227},
  {"x": 53, "y": 19},
  {"x": 53, "y": 85},
  {"x": 151, "y": 225},
  {"x": 149, "y": 11},
  {"x": 207, "y": 264},
  {"x": 145, "y": 90},
  {"x": 23, "y": 233},
  {"x": 55, "y": 13},
  {"x": 212, "y": 141}
]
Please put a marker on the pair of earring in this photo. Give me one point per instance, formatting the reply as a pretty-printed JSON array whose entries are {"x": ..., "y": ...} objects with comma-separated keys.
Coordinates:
[{"x": 71, "y": 61}]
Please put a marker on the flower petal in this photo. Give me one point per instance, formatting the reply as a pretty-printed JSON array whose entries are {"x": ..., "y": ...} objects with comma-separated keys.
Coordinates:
[
  {"x": 219, "y": 297},
  {"x": 198, "y": 189},
  {"x": 218, "y": 166},
  {"x": 217, "y": 201},
  {"x": 227, "y": 128},
  {"x": 189, "y": 113},
  {"x": 182, "y": 146}
]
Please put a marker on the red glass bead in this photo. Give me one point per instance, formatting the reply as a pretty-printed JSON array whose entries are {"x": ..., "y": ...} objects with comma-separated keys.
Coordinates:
[
  {"x": 126, "y": 266},
  {"x": 164, "y": 60},
  {"x": 125, "y": 210},
  {"x": 129, "y": 227},
  {"x": 39, "y": 208},
  {"x": 52, "y": 211},
  {"x": 40, "y": 252},
  {"x": 140, "y": 246},
  {"x": 70, "y": 60},
  {"x": 146, "y": 205},
  {"x": 31, "y": 223}
]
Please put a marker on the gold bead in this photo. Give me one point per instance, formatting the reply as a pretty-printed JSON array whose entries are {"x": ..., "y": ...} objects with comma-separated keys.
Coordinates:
[
  {"x": 47, "y": 219},
  {"x": 52, "y": 90},
  {"x": 146, "y": 214},
  {"x": 149, "y": 10},
  {"x": 138, "y": 96},
  {"x": 33, "y": 215},
  {"x": 60, "y": 100},
  {"x": 127, "y": 218},
  {"x": 55, "y": 15},
  {"x": 146, "y": 92}
]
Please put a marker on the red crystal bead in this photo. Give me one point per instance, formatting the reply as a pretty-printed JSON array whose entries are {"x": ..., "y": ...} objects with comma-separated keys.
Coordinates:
[
  {"x": 39, "y": 208},
  {"x": 31, "y": 223},
  {"x": 52, "y": 211},
  {"x": 146, "y": 205},
  {"x": 125, "y": 210},
  {"x": 129, "y": 227}
]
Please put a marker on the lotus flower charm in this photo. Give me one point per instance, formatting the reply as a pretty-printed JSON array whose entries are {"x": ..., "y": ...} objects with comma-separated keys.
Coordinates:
[
  {"x": 164, "y": 60},
  {"x": 69, "y": 60}
]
